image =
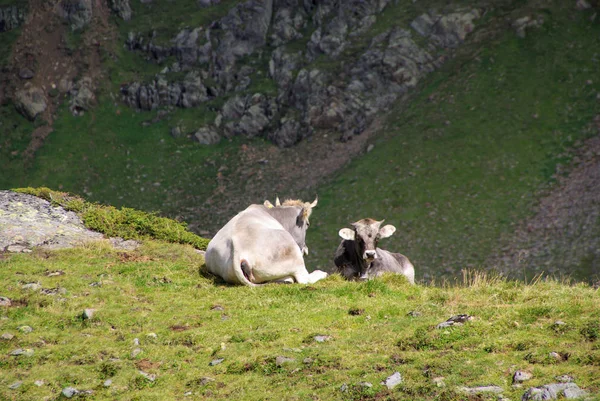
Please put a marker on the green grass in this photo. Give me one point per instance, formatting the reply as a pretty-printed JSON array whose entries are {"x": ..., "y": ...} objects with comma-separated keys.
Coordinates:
[
  {"x": 158, "y": 289},
  {"x": 126, "y": 223},
  {"x": 458, "y": 167}
]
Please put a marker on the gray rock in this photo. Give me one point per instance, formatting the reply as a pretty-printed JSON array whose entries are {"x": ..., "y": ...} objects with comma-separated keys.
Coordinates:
[
  {"x": 126, "y": 245},
  {"x": 207, "y": 136},
  {"x": 31, "y": 286},
  {"x": 521, "y": 25},
  {"x": 455, "y": 320},
  {"x": 11, "y": 17},
  {"x": 365, "y": 384},
  {"x": 121, "y": 8},
  {"x": 88, "y": 313},
  {"x": 288, "y": 134},
  {"x": 344, "y": 388},
  {"x": 69, "y": 392},
  {"x": 107, "y": 383},
  {"x": 26, "y": 73},
  {"x": 481, "y": 390},
  {"x": 136, "y": 352},
  {"x": 7, "y": 336},
  {"x": 30, "y": 102},
  {"x": 322, "y": 339},
  {"x": 4, "y": 301},
  {"x": 34, "y": 221},
  {"x": 392, "y": 381},
  {"x": 22, "y": 352},
  {"x": 205, "y": 380},
  {"x": 39, "y": 383},
  {"x": 25, "y": 329},
  {"x": 208, "y": 3},
  {"x": 582, "y": 5},
  {"x": 215, "y": 362},
  {"x": 554, "y": 391},
  {"x": 520, "y": 376},
  {"x": 148, "y": 376},
  {"x": 15, "y": 385},
  {"x": 283, "y": 360},
  {"x": 77, "y": 13},
  {"x": 82, "y": 96}
]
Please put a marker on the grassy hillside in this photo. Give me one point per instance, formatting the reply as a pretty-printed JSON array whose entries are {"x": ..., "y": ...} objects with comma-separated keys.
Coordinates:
[
  {"x": 158, "y": 324},
  {"x": 465, "y": 160}
]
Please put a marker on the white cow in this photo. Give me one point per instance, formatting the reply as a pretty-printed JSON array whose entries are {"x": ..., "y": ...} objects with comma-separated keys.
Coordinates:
[{"x": 263, "y": 244}]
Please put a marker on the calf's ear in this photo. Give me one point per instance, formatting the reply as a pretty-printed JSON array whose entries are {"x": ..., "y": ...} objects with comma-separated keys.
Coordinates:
[
  {"x": 347, "y": 233},
  {"x": 386, "y": 231}
]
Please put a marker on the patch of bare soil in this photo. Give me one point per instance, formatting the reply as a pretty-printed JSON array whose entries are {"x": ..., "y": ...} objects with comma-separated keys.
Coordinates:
[
  {"x": 44, "y": 48},
  {"x": 563, "y": 236},
  {"x": 291, "y": 172}
]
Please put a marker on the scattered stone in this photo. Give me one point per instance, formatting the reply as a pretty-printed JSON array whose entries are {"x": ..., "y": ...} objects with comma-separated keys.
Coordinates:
[
  {"x": 15, "y": 385},
  {"x": 4, "y": 301},
  {"x": 215, "y": 362},
  {"x": 392, "y": 381},
  {"x": 126, "y": 245},
  {"x": 26, "y": 73},
  {"x": 31, "y": 286},
  {"x": 520, "y": 376},
  {"x": 554, "y": 391},
  {"x": 187, "y": 394},
  {"x": 344, "y": 388},
  {"x": 77, "y": 13},
  {"x": 582, "y": 5},
  {"x": 439, "y": 381},
  {"x": 25, "y": 329},
  {"x": 39, "y": 383},
  {"x": 555, "y": 355},
  {"x": 520, "y": 25},
  {"x": 282, "y": 360},
  {"x": 322, "y": 339},
  {"x": 414, "y": 313},
  {"x": 207, "y": 136},
  {"x": 151, "y": 336},
  {"x": 308, "y": 361},
  {"x": 136, "y": 341},
  {"x": 365, "y": 384},
  {"x": 481, "y": 390},
  {"x": 148, "y": 376},
  {"x": 205, "y": 380},
  {"x": 88, "y": 313},
  {"x": 53, "y": 291},
  {"x": 7, "y": 336},
  {"x": 23, "y": 352},
  {"x": 456, "y": 320},
  {"x": 30, "y": 102},
  {"x": 136, "y": 352},
  {"x": 107, "y": 383},
  {"x": 217, "y": 307},
  {"x": 55, "y": 273}
]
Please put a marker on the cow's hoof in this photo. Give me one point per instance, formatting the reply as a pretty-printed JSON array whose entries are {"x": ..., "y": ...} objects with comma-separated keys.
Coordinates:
[{"x": 318, "y": 275}]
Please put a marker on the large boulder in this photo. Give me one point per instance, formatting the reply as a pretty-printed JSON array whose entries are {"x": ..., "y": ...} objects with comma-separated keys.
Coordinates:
[
  {"x": 248, "y": 115},
  {"x": 121, "y": 8},
  {"x": 30, "y": 101},
  {"x": 11, "y": 17},
  {"x": 77, "y": 13},
  {"x": 448, "y": 30},
  {"x": 82, "y": 96},
  {"x": 29, "y": 221}
]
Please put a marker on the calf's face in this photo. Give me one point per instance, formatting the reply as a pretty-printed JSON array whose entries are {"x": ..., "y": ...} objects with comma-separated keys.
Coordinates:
[{"x": 366, "y": 233}]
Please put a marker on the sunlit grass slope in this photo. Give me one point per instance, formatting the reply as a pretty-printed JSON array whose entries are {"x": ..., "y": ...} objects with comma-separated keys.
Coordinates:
[
  {"x": 158, "y": 323},
  {"x": 463, "y": 162}
]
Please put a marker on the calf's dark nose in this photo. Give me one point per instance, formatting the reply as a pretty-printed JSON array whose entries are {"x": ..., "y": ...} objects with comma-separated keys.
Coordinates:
[{"x": 370, "y": 255}]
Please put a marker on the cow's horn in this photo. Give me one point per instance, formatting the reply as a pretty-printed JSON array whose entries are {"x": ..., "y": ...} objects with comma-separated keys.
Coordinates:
[
  {"x": 277, "y": 202},
  {"x": 315, "y": 202}
]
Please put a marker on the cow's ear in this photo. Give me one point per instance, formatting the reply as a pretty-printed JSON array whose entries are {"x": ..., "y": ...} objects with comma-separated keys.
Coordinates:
[
  {"x": 386, "y": 231},
  {"x": 347, "y": 233},
  {"x": 268, "y": 204}
]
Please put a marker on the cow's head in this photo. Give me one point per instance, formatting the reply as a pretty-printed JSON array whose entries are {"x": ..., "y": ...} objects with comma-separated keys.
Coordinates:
[
  {"x": 294, "y": 216},
  {"x": 366, "y": 233}
]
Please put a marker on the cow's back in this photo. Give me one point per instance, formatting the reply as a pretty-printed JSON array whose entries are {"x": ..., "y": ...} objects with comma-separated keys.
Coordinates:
[
  {"x": 255, "y": 236},
  {"x": 394, "y": 263}
]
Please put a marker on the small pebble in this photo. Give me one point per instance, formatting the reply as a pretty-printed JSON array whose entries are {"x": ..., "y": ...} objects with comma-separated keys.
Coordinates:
[{"x": 15, "y": 385}]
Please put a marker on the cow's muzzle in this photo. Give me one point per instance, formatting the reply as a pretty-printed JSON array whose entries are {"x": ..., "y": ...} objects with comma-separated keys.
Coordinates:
[{"x": 370, "y": 255}]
